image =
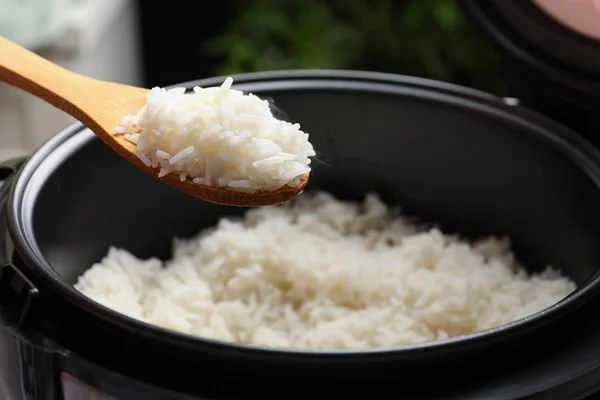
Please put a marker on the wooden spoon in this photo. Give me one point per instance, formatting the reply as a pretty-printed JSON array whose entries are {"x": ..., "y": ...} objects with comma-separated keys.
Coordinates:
[{"x": 101, "y": 105}]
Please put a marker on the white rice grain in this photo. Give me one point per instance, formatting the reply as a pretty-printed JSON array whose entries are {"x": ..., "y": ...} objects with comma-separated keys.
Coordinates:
[
  {"x": 163, "y": 154},
  {"x": 188, "y": 151}
]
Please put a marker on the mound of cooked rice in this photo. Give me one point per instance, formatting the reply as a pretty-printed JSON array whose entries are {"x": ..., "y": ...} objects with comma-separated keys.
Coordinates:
[
  {"x": 320, "y": 273},
  {"x": 218, "y": 136}
]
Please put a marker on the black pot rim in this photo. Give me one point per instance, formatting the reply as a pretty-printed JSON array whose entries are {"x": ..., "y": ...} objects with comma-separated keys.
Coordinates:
[{"x": 586, "y": 157}]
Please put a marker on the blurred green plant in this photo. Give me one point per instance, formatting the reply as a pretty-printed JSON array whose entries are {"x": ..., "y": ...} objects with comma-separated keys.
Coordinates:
[{"x": 428, "y": 38}]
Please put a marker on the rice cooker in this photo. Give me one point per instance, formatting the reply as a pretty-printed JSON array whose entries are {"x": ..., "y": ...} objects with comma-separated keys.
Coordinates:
[{"x": 476, "y": 163}]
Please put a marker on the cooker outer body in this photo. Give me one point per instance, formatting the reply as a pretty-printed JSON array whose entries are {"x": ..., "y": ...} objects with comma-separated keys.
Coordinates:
[{"x": 156, "y": 349}]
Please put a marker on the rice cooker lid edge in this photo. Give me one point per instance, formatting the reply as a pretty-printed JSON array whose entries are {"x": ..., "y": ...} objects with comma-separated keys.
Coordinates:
[{"x": 558, "y": 41}]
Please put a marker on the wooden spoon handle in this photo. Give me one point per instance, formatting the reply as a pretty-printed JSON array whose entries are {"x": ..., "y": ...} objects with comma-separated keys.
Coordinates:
[{"x": 42, "y": 78}]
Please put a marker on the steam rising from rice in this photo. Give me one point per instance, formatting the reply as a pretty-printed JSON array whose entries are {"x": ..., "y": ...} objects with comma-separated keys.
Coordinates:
[
  {"x": 324, "y": 274},
  {"x": 218, "y": 137}
]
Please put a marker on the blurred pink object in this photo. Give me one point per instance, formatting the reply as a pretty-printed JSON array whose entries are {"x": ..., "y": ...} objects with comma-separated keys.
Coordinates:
[{"x": 582, "y": 16}]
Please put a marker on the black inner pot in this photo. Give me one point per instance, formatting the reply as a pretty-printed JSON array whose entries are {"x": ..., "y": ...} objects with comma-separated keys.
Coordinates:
[{"x": 466, "y": 161}]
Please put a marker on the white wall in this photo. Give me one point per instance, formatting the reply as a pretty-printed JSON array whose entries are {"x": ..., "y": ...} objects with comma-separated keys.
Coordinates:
[{"x": 101, "y": 41}]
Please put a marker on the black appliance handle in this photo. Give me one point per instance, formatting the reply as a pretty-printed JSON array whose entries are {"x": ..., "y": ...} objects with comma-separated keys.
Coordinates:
[
  {"x": 8, "y": 172},
  {"x": 17, "y": 292}
]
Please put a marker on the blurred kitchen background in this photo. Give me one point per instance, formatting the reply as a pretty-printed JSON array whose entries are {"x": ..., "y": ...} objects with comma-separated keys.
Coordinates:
[{"x": 153, "y": 43}]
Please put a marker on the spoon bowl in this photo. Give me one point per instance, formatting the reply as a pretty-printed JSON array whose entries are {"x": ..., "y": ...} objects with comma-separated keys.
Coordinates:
[{"x": 101, "y": 105}]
